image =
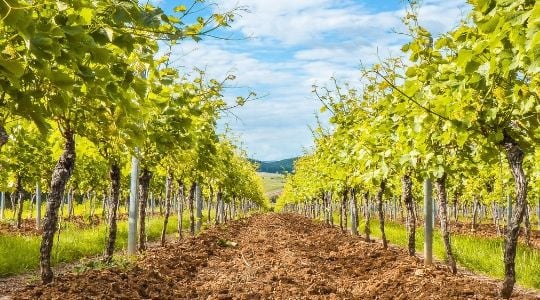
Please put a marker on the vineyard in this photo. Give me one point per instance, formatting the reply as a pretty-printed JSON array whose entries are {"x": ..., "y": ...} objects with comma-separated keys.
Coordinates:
[
  {"x": 460, "y": 114},
  {"x": 119, "y": 181}
]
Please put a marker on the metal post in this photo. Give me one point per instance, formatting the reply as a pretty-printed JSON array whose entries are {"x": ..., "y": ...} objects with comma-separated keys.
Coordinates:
[
  {"x": 38, "y": 205},
  {"x": 395, "y": 208},
  {"x": 133, "y": 206},
  {"x": 428, "y": 223},
  {"x": 198, "y": 204},
  {"x": 153, "y": 202},
  {"x": 2, "y": 204}
]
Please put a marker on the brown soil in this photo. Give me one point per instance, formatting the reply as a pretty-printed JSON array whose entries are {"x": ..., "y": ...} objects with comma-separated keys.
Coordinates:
[
  {"x": 490, "y": 230},
  {"x": 28, "y": 226},
  {"x": 487, "y": 230},
  {"x": 271, "y": 256}
]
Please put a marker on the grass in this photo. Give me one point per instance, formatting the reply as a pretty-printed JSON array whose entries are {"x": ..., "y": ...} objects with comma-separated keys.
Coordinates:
[
  {"x": 272, "y": 182},
  {"x": 479, "y": 254},
  {"x": 19, "y": 254},
  {"x": 29, "y": 210}
]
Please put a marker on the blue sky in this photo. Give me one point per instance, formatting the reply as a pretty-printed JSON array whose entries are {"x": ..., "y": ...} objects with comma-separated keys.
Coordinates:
[{"x": 291, "y": 45}]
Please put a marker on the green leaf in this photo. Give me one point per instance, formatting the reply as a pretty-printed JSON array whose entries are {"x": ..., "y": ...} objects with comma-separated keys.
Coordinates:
[
  {"x": 405, "y": 48},
  {"x": 464, "y": 57},
  {"x": 101, "y": 55},
  {"x": 533, "y": 41},
  {"x": 86, "y": 15},
  {"x": 472, "y": 66},
  {"x": 61, "y": 80},
  {"x": 438, "y": 172},
  {"x": 462, "y": 137},
  {"x": 41, "y": 41},
  {"x": 73, "y": 30},
  {"x": 220, "y": 20},
  {"x": 180, "y": 8},
  {"x": 109, "y": 32},
  {"x": 490, "y": 25},
  {"x": 411, "y": 71},
  {"x": 15, "y": 67},
  {"x": 140, "y": 87}
]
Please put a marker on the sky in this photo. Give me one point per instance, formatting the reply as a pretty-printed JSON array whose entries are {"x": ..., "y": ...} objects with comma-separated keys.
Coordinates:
[{"x": 281, "y": 48}]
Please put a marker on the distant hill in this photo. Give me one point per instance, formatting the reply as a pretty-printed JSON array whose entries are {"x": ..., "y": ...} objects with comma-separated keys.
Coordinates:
[{"x": 280, "y": 166}]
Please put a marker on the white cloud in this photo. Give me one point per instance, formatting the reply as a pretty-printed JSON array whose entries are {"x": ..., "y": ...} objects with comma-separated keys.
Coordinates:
[
  {"x": 296, "y": 44},
  {"x": 219, "y": 62},
  {"x": 307, "y": 21}
]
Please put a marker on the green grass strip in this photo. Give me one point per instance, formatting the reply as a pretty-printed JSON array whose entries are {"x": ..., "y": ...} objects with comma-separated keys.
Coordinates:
[
  {"x": 19, "y": 254},
  {"x": 480, "y": 254}
]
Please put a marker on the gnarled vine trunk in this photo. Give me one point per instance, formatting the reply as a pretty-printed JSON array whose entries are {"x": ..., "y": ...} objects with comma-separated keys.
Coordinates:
[
  {"x": 168, "y": 192},
  {"x": 181, "y": 200},
  {"x": 218, "y": 206},
  {"x": 354, "y": 213},
  {"x": 20, "y": 194},
  {"x": 367, "y": 217},
  {"x": 221, "y": 205},
  {"x": 342, "y": 225},
  {"x": 406, "y": 186},
  {"x": 4, "y": 137},
  {"x": 325, "y": 208},
  {"x": 330, "y": 208},
  {"x": 209, "y": 206},
  {"x": 440, "y": 185},
  {"x": 514, "y": 155},
  {"x": 61, "y": 174},
  {"x": 191, "y": 208},
  {"x": 144, "y": 183},
  {"x": 475, "y": 213},
  {"x": 380, "y": 209},
  {"x": 114, "y": 175},
  {"x": 345, "y": 212}
]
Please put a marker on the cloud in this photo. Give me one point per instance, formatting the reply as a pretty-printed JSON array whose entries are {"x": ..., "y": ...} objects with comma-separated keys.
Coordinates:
[
  {"x": 295, "y": 44},
  {"x": 300, "y": 21},
  {"x": 311, "y": 21}
]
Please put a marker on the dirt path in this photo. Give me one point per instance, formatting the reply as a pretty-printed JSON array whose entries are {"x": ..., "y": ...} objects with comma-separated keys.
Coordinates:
[{"x": 271, "y": 256}]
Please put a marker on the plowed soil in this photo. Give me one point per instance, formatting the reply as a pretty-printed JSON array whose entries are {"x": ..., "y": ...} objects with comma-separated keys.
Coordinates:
[
  {"x": 272, "y": 256},
  {"x": 28, "y": 226},
  {"x": 490, "y": 230}
]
